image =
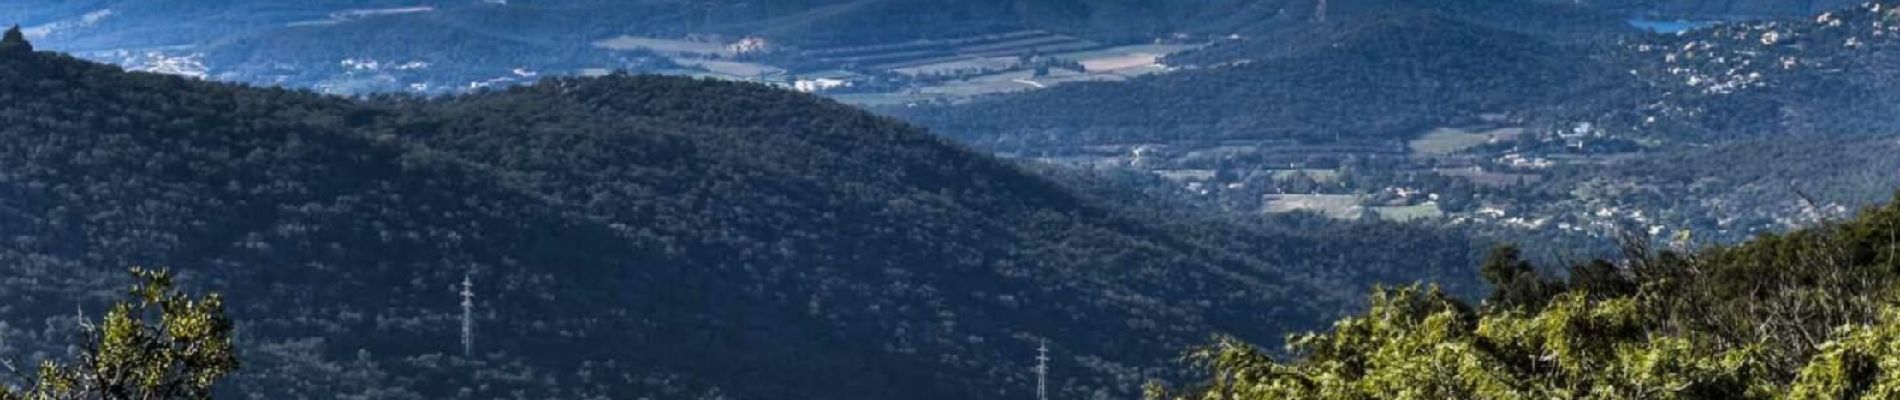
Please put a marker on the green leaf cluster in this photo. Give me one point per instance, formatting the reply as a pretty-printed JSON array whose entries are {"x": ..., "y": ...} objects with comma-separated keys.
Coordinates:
[
  {"x": 157, "y": 344},
  {"x": 1807, "y": 315}
]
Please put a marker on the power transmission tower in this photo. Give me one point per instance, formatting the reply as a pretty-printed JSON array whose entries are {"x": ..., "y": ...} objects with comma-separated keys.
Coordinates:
[
  {"x": 468, "y": 316},
  {"x": 1042, "y": 371}
]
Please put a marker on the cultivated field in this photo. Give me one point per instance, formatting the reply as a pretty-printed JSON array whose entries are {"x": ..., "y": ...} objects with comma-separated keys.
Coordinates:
[
  {"x": 1123, "y": 58},
  {"x": 971, "y": 64},
  {"x": 941, "y": 54},
  {"x": 1344, "y": 206},
  {"x": 663, "y": 46},
  {"x": 988, "y": 84},
  {"x": 1185, "y": 175},
  {"x": 1318, "y": 175},
  {"x": 736, "y": 69},
  {"x": 1443, "y": 141},
  {"x": 1408, "y": 213},
  {"x": 1493, "y": 179}
]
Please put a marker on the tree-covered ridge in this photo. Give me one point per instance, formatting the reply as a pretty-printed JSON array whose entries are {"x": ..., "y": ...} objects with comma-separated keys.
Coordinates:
[
  {"x": 668, "y": 237},
  {"x": 1807, "y": 315}
]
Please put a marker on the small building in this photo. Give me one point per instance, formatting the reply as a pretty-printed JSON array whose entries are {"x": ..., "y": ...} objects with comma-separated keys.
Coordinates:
[
  {"x": 750, "y": 44},
  {"x": 819, "y": 84}
]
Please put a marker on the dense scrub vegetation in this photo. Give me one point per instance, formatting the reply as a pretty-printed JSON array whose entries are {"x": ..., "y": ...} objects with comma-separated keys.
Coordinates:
[
  {"x": 1806, "y": 315},
  {"x": 663, "y": 236}
]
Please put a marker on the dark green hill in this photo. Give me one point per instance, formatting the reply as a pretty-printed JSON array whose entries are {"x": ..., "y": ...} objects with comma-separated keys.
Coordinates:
[
  {"x": 625, "y": 236},
  {"x": 1385, "y": 78}
]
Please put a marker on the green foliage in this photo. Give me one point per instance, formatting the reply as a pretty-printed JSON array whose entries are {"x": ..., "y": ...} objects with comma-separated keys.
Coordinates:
[
  {"x": 1601, "y": 279},
  {"x": 1864, "y": 363},
  {"x": 1416, "y": 344},
  {"x": 159, "y": 344},
  {"x": 1515, "y": 281},
  {"x": 1808, "y": 315}
]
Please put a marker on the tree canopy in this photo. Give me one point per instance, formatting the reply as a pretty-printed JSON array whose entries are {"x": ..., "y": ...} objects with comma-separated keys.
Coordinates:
[
  {"x": 157, "y": 344},
  {"x": 1808, "y": 315}
]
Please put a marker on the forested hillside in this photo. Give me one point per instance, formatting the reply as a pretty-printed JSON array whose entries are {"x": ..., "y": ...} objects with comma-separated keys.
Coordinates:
[
  {"x": 1384, "y": 77},
  {"x": 665, "y": 237},
  {"x": 1806, "y": 315}
]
